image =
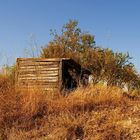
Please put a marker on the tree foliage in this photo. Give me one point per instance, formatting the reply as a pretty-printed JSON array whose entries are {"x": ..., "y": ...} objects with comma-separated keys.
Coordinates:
[
  {"x": 71, "y": 43},
  {"x": 115, "y": 68}
]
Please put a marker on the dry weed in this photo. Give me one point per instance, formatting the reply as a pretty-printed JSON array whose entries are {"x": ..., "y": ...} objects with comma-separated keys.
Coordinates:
[{"x": 92, "y": 113}]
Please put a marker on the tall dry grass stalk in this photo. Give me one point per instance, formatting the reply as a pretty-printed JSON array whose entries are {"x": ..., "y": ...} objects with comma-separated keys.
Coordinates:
[{"x": 92, "y": 113}]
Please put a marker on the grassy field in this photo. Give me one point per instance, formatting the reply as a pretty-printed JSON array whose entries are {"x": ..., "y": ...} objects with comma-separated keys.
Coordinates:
[{"x": 92, "y": 113}]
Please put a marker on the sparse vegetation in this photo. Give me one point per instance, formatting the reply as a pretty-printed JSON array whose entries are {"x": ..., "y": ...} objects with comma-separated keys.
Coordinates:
[{"x": 95, "y": 112}]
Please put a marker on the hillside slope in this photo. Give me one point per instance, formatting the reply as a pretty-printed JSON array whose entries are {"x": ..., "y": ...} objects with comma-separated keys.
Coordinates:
[{"x": 92, "y": 113}]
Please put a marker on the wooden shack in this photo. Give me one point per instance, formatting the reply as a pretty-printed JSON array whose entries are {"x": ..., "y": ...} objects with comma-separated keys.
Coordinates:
[{"x": 47, "y": 74}]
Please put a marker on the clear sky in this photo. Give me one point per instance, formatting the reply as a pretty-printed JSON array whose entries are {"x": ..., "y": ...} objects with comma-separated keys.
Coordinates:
[{"x": 115, "y": 24}]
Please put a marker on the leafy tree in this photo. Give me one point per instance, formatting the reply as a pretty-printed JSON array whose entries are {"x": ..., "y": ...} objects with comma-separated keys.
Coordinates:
[
  {"x": 71, "y": 43},
  {"x": 115, "y": 68}
]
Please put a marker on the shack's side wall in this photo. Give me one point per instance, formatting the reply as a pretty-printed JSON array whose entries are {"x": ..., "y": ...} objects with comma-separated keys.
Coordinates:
[{"x": 38, "y": 73}]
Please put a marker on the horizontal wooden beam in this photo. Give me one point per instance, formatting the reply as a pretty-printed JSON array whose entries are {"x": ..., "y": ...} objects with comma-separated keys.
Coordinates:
[
  {"x": 42, "y": 59},
  {"x": 37, "y": 70}
]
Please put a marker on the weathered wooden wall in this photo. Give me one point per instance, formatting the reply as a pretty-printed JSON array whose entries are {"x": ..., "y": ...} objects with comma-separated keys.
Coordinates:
[{"x": 45, "y": 74}]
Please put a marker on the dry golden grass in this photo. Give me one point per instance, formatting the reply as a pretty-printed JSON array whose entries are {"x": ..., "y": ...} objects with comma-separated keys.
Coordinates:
[{"x": 92, "y": 113}]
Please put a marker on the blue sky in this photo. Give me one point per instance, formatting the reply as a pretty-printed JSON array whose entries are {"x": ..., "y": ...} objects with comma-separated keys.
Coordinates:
[{"x": 115, "y": 24}]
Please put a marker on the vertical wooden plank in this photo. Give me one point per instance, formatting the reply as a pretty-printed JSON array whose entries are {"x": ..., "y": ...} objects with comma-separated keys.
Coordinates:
[
  {"x": 16, "y": 73},
  {"x": 60, "y": 74}
]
